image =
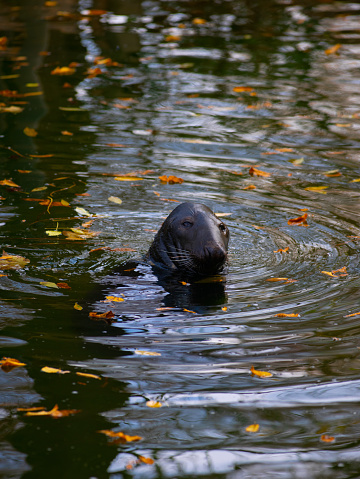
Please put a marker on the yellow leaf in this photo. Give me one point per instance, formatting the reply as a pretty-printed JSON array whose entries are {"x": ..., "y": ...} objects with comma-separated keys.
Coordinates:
[
  {"x": 317, "y": 189},
  {"x": 252, "y": 428},
  {"x": 48, "y": 284},
  {"x": 53, "y": 232},
  {"x": 47, "y": 369},
  {"x": 146, "y": 353},
  {"x": 110, "y": 299},
  {"x": 199, "y": 21},
  {"x": 12, "y": 261},
  {"x": 40, "y": 188},
  {"x": 153, "y": 404},
  {"x": 30, "y": 131},
  {"x": 128, "y": 178},
  {"x": 115, "y": 199},
  {"x": 82, "y": 211},
  {"x": 78, "y": 307},
  {"x": 9, "y": 183},
  {"x": 64, "y": 202},
  {"x": 88, "y": 375},
  {"x": 355, "y": 181},
  {"x": 261, "y": 374}
]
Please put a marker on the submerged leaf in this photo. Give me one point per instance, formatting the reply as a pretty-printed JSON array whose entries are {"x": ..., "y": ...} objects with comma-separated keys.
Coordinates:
[{"x": 252, "y": 428}]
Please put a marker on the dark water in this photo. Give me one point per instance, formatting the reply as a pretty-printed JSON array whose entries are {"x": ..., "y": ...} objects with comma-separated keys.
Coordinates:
[{"x": 166, "y": 103}]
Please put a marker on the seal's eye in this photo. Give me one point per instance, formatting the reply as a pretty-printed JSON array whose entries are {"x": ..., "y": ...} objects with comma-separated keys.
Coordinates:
[
  {"x": 222, "y": 227},
  {"x": 187, "y": 224}
]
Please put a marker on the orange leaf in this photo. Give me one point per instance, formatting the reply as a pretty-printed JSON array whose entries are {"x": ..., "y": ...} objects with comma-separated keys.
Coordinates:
[
  {"x": 54, "y": 412},
  {"x": 261, "y": 374},
  {"x": 285, "y": 315},
  {"x": 47, "y": 369},
  {"x": 153, "y": 404},
  {"x": 285, "y": 250},
  {"x": 300, "y": 220},
  {"x": 255, "y": 171},
  {"x": 146, "y": 460},
  {"x": 353, "y": 314},
  {"x": 170, "y": 179},
  {"x": 277, "y": 279},
  {"x": 250, "y": 187},
  {"x": 63, "y": 71},
  {"x": 7, "y": 364},
  {"x": 239, "y": 89},
  {"x": 63, "y": 285},
  {"x": 333, "y": 49},
  {"x": 120, "y": 435},
  {"x": 326, "y": 438}
]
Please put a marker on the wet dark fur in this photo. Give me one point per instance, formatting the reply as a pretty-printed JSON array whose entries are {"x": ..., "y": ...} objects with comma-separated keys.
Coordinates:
[{"x": 192, "y": 242}]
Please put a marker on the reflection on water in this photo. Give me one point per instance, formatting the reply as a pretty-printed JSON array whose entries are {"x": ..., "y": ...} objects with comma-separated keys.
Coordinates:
[{"x": 256, "y": 106}]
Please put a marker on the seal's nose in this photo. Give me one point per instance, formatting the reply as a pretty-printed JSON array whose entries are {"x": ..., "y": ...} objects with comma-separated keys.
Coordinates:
[{"x": 215, "y": 254}]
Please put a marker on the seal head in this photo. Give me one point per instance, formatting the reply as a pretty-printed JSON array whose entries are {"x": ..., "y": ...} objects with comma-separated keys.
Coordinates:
[{"x": 192, "y": 241}]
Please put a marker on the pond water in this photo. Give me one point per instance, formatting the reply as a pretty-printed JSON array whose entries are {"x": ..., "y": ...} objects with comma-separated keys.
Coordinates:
[{"x": 256, "y": 106}]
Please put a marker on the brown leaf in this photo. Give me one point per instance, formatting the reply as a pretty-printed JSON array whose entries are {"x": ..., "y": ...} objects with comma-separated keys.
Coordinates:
[
  {"x": 300, "y": 220},
  {"x": 12, "y": 261}
]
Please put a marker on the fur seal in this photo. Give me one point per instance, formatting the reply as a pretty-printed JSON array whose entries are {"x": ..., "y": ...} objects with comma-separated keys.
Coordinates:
[{"x": 192, "y": 243}]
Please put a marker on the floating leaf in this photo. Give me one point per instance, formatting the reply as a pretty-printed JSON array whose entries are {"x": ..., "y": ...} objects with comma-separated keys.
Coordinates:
[
  {"x": 277, "y": 279},
  {"x": 146, "y": 460},
  {"x": 153, "y": 404},
  {"x": 300, "y": 220},
  {"x": 250, "y": 187},
  {"x": 327, "y": 438},
  {"x": 261, "y": 374},
  {"x": 88, "y": 375},
  {"x": 78, "y": 307},
  {"x": 67, "y": 133},
  {"x": 337, "y": 272},
  {"x": 9, "y": 183},
  {"x": 297, "y": 161},
  {"x": 63, "y": 286},
  {"x": 252, "y": 428},
  {"x": 317, "y": 189},
  {"x": 170, "y": 179},
  {"x": 285, "y": 315},
  {"x": 47, "y": 369},
  {"x": 63, "y": 71},
  {"x": 12, "y": 261},
  {"x": 53, "y": 233},
  {"x": 11, "y": 109},
  {"x": 333, "y": 49},
  {"x": 353, "y": 314},
  {"x": 115, "y": 199},
  {"x": 54, "y": 412},
  {"x": 107, "y": 315},
  {"x": 82, "y": 211},
  {"x": 224, "y": 308},
  {"x": 113, "y": 299},
  {"x": 7, "y": 364},
  {"x": 146, "y": 353},
  {"x": 30, "y": 131},
  {"x": 128, "y": 178},
  {"x": 240, "y": 89},
  {"x": 198, "y": 21},
  {"x": 120, "y": 435},
  {"x": 285, "y": 250},
  {"x": 40, "y": 188},
  {"x": 48, "y": 284},
  {"x": 78, "y": 235},
  {"x": 255, "y": 171}
]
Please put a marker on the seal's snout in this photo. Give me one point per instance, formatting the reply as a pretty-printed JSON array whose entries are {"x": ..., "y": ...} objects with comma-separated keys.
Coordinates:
[{"x": 215, "y": 253}]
